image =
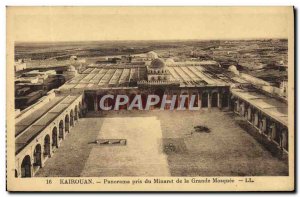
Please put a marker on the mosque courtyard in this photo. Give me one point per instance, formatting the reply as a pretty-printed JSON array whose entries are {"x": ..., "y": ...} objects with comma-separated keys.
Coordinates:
[{"x": 161, "y": 143}]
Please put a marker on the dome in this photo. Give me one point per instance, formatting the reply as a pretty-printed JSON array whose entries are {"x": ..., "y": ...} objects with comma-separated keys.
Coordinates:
[{"x": 157, "y": 64}]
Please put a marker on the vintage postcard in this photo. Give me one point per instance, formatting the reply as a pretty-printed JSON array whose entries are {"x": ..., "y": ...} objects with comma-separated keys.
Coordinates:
[{"x": 150, "y": 99}]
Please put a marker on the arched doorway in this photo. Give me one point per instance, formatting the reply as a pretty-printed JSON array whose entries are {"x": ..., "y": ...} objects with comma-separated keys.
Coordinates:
[
  {"x": 111, "y": 101},
  {"x": 54, "y": 137},
  {"x": 47, "y": 146},
  {"x": 186, "y": 100},
  {"x": 160, "y": 93},
  {"x": 214, "y": 99},
  {"x": 67, "y": 123},
  {"x": 204, "y": 100},
  {"x": 225, "y": 98},
  {"x": 144, "y": 100},
  {"x": 131, "y": 97},
  {"x": 26, "y": 167},
  {"x": 72, "y": 118},
  {"x": 195, "y": 103},
  {"x": 37, "y": 156},
  {"x": 90, "y": 102},
  {"x": 61, "y": 130},
  {"x": 76, "y": 113},
  {"x": 122, "y": 99}
]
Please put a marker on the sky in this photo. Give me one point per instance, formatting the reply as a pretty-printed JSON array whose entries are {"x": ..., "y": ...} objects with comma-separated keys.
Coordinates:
[{"x": 46, "y": 24}]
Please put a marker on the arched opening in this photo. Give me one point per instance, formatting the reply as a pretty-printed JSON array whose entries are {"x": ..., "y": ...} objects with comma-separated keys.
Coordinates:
[
  {"x": 268, "y": 126},
  {"x": 123, "y": 107},
  {"x": 204, "y": 100},
  {"x": 214, "y": 99},
  {"x": 37, "y": 156},
  {"x": 249, "y": 114},
  {"x": 131, "y": 97},
  {"x": 186, "y": 100},
  {"x": 144, "y": 100},
  {"x": 26, "y": 167},
  {"x": 76, "y": 113},
  {"x": 284, "y": 139},
  {"x": 61, "y": 130},
  {"x": 111, "y": 101},
  {"x": 54, "y": 137},
  {"x": 67, "y": 123},
  {"x": 225, "y": 98},
  {"x": 195, "y": 104},
  {"x": 47, "y": 146},
  {"x": 160, "y": 93},
  {"x": 16, "y": 173},
  {"x": 72, "y": 118},
  {"x": 168, "y": 105},
  {"x": 90, "y": 102}
]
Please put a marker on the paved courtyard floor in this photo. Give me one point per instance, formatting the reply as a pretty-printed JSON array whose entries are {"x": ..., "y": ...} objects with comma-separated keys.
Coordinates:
[{"x": 162, "y": 143}]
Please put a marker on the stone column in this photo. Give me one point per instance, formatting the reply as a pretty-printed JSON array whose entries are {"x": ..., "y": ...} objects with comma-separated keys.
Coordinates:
[
  {"x": 256, "y": 119},
  {"x": 42, "y": 156},
  {"x": 188, "y": 101},
  {"x": 249, "y": 113},
  {"x": 284, "y": 140},
  {"x": 209, "y": 100},
  {"x": 264, "y": 124},
  {"x": 219, "y": 101},
  {"x": 199, "y": 101},
  {"x": 242, "y": 113},
  {"x": 31, "y": 167},
  {"x": 96, "y": 102}
]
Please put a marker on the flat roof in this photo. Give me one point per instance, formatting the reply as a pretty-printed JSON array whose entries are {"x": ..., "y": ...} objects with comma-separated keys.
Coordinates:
[
  {"x": 36, "y": 114},
  {"x": 42, "y": 121},
  {"x": 268, "y": 105},
  {"x": 118, "y": 75}
]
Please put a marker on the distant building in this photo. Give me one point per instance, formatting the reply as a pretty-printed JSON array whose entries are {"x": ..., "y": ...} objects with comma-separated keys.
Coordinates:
[
  {"x": 126, "y": 59},
  {"x": 152, "y": 55},
  {"x": 233, "y": 69},
  {"x": 73, "y": 57},
  {"x": 204, "y": 84},
  {"x": 70, "y": 73},
  {"x": 33, "y": 85},
  {"x": 20, "y": 65}
]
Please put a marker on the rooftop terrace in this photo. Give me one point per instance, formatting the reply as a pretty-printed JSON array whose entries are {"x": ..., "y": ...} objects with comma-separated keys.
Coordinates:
[
  {"x": 274, "y": 108},
  {"x": 28, "y": 128}
]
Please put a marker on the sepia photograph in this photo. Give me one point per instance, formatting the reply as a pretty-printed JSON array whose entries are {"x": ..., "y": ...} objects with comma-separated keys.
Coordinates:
[{"x": 150, "y": 98}]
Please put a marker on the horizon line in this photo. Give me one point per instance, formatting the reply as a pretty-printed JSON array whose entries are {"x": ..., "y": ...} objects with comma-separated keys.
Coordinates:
[{"x": 213, "y": 39}]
